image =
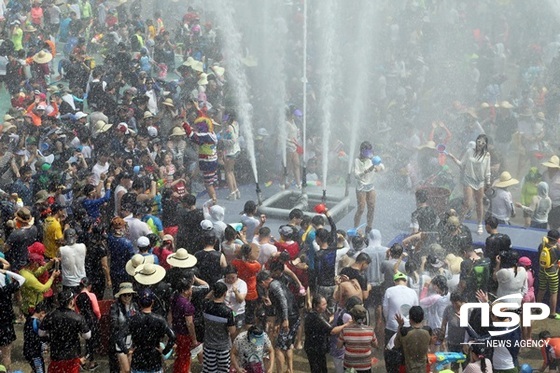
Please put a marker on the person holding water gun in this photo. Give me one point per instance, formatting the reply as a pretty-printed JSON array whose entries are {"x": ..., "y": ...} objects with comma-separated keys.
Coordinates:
[{"x": 364, "y": 167}]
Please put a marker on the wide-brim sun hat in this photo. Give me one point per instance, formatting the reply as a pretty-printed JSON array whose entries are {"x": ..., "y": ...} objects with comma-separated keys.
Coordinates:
[
  {"x": 125, "y": 288},
  {"x": 428, "y": 145},
  {"x": 198, "y": 66},
  {"x": 506, "y": 105},
  {"x": 42, "y": 57},
  {"x": 149, "y": 274},
  {"x": 505, "y": 180},
  {"x": 168, "y": 102},
  {"x": 101, "y": 126},
  {"x": 202, "y": 79},
  {"x": 181, "y": 259},
  {"x": 553, "y": 162},
  {"x": 136, "y": 261},
  {"x": 178, "y": 131}
]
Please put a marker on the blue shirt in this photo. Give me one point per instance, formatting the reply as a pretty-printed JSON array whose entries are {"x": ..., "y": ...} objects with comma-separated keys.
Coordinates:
[
  {"x": 92, "y": 205},
  {"x": 120, "y": 250}
]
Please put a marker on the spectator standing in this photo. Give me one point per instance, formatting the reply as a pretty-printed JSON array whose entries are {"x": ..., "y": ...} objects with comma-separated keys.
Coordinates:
[
  {"x": 10, "y": 283},
  {"x": 219, "y": 328},
  {"x": 148, "y": 330},
  {"x": 358, "y": 339},
  {"x": 64, "y": 328},
  {"x": 414, "y": 340}
]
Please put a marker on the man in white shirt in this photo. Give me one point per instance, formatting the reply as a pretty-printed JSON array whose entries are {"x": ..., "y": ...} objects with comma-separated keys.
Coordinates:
[
  {"x": 267, "y": 249},
  {"x": 72, "y": 261},
  {"x": 397, "y": 300},
  {"x": 101, "y": 167},
  {"x": 136, "y": 227}
]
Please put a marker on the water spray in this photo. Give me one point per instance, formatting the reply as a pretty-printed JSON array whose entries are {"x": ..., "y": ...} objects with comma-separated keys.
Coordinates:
[
  {"x": 324, "y": 198},
  {"x": 259, "y": 194},
  {"x": 347, "y": 186}
]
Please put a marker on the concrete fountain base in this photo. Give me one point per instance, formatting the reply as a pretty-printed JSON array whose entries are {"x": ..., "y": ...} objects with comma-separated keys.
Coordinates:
[{"x": 280, "y": 204}]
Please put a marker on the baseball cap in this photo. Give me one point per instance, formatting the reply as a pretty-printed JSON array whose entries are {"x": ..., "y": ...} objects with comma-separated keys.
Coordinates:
[
  {"x": 143, "y": 241},
  {"x": 80, "y": 115},
  {"x": 399, "y": 276}
]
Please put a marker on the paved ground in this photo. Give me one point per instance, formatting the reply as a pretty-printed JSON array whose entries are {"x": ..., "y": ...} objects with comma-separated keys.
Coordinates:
[{"x": 528, "y": 355}]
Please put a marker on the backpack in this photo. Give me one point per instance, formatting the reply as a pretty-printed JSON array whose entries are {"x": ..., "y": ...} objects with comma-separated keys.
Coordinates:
[
  {"x": 481, "y": 271},
  {"x": 545, "y": 258}
]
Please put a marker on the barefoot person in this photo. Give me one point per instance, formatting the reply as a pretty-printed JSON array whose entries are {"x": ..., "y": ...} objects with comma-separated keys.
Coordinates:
[{"x": 364, "y": 168}]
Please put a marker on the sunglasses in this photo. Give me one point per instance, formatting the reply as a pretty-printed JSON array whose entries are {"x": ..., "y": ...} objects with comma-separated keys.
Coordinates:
[{"x": 127, "y": 295}]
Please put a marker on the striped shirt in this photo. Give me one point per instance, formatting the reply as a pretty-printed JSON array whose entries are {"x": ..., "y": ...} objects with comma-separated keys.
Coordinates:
[{"x": 358, "y": 340}]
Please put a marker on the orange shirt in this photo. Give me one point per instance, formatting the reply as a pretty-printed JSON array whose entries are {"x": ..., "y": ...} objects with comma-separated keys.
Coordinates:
[{"x": 247, "y": 271}]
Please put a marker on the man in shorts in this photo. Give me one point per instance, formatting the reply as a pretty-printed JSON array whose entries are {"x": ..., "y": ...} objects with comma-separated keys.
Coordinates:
[
  {"x": 548, "y": 274},
  {"x": 287, "y": 318}
]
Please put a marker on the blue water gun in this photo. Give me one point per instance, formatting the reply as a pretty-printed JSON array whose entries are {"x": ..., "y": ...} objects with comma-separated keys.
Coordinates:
[{"x": 444, "y": 358}]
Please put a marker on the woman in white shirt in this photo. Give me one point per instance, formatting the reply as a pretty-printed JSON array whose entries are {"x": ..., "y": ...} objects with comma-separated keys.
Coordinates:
[
  {"x": 364, "y": 168},
  {"x": 235, "y": 296},
  {"x": 475, "y": 166},
  {"x": 511, "y": 278}
]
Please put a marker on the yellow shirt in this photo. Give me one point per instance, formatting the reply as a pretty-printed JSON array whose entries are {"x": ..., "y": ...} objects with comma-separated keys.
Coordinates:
[{"x": 52, "y": 234}]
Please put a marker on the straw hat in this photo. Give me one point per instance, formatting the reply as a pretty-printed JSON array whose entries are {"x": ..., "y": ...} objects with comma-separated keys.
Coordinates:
[
  {"x": 42, "y": 57},
  {"x": 553, "y": 162},
  {"x": 7, "y": 127},
  {"x": 181, "y": 259},
  {"x": 505, "y": 180},
  {"x": 29, "y": 28},
  {"x": 8, "y": 117},
  {"x": 484, "y": 105},
  {"x": 541, "y": 116},
  {"x": 218, "y": 70},
  {"x": 197, "y": 66},
  {"x": 429, "y": 145},
  {"x": 136, "y": 261},
  {"x": 202, "y": 79},
  {"x": 24, "y": 215},
  {"x": 100, "y": 126},
  {"x": 189, "y": 62},
  {"x": 506, "y": 105},
  {"x": 125, "y": 288},
  {"x": 148, "y": 114},
  {"x": 454, "y": 263},
  {"x": 149, "y": 274},
  {"x": 178, "y": 131},
  {"x": 168, "y": 102}
]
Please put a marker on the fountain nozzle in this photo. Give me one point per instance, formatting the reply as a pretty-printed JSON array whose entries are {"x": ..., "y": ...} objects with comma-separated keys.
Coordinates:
[{"x": 259, "y": 194}]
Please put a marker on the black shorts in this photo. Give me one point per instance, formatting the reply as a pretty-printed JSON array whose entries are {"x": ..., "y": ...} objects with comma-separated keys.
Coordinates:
[{"x": 7, "y": 334}]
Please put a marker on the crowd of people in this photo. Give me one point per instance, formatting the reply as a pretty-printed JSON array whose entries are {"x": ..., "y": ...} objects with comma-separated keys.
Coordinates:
[{"x": 100, "y": 161}]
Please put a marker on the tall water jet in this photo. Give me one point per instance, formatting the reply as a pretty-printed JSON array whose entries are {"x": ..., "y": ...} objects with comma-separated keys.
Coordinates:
[
  {"x": 236, "y": 75},
  {"x": 359, "y": 94},
  {"x": 329, "y": 67}
]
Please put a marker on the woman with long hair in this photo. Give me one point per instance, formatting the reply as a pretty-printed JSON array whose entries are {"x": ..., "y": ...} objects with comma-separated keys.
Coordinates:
[
  {"x": 479, "y": 363},
  {"x": 436, "y": 301},
  {"x": 364, "y": 167},
  {"x": 511, "y": 277},
  {"x": 476, "y": 173},
  {"x": 88, "y": 307},
  {"x": 231, "y": 150}
]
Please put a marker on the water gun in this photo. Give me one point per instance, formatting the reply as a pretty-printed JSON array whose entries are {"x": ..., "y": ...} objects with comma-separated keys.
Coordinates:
[
  {"x": 444, "y": 358},
  {"x": 376, "y": 160}
]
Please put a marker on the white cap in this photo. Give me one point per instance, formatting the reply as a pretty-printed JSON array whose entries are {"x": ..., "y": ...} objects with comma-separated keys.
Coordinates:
[
  {"x": 143, "y": 241},
  {"x": 80, "y": 115}
]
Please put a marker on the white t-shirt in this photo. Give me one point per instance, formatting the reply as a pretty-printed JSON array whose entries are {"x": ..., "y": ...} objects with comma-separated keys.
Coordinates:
[
  {"x": 72, "y": 264},
  {"x": 509, "y": 283},
  {"x": 231, "y": 301},
  {"x": 267, "y": 250},
  {"x": 136, "y": 229},
  {"x": 398, "y": 299},
  {"x": 97, "y": 170}
]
